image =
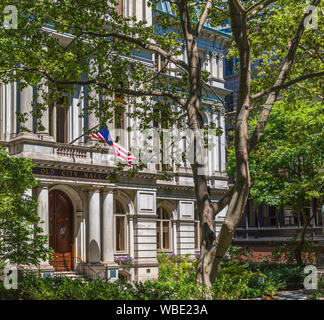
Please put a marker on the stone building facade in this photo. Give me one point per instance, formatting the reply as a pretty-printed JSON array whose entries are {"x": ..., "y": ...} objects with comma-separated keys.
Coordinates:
[{"x": 90, "y": 221}]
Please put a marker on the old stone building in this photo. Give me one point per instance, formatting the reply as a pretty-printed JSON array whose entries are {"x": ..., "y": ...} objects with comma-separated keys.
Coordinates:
[{"x": 90, "y": 221}]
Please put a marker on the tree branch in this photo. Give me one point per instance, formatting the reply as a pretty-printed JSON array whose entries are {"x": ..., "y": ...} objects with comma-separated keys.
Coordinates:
[
  {"x": 204, "y": 16},
  {"x": 258, "y": 7},
  {"x": 223, "y": 202},
  {"x": 319, "y": 96},
  {"x": 285, "y": 70},
  {"x": 239, "y": 6},
  {"x": 287, "y": 84},
  {"x": 136, "y": 93}
]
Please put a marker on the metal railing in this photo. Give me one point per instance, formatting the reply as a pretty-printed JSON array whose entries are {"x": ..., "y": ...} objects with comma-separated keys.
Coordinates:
[
  {"x": 87, "y": 271},
  {"x": 71, "y": 151}
]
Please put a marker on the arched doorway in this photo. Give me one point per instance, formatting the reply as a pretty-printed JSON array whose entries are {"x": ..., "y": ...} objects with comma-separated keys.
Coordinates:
[{"x": 61, "y": 230}]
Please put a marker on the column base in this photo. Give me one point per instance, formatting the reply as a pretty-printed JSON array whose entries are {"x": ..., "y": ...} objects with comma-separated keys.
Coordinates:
[
  {"x": 26, "y": 135},
  {"x": 44, "y": 136}
]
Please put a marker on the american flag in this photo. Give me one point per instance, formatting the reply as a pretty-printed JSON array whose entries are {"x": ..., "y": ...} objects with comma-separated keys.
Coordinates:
[{"x": 119, "y": 151}]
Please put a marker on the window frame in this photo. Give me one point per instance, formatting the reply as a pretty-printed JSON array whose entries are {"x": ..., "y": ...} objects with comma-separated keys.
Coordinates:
[
  {"x": 159, "y": 226},
  {"x": 197, "y": 232},
  {"x": 124, "y": 215}
]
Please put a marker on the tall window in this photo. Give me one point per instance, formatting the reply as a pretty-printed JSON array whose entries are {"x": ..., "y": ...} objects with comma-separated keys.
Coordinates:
[
  {"x": 119, "y": 124},
  {"x": 119, "y": 7},
  {"x": 289, "y": 218},
  {"x": 162, "y": 121},
  {"x": 59, "y": 116},
  {"x": 163, "y": 230},
  {"x": 160, "y": 63},
  {"x": 317, "y": 209},
  {"x": 197, "y": 231},
  {"x": 120, "y": 227},
  {"x": 229, "y": 102},
  {"x": 119, "y": 116}
]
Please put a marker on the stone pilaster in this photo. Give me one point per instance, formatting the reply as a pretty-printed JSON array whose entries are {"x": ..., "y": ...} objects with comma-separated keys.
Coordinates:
[
  {"x": 43, "y": 213},
  {"x": 44, "y": 120},
  {"x": 108, "y": 227},
  {"x": 94, "y": 226},
  {"x": 26, "y": 100}
]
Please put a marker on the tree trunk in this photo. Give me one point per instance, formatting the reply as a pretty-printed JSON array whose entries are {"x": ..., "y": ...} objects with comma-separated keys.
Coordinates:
[
  {"x": 214, "y": 249},
  {"x": 301, "y": 243}
]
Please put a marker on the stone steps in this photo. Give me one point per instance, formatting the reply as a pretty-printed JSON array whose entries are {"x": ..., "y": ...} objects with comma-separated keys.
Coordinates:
[{"x": 69, "y": 274}]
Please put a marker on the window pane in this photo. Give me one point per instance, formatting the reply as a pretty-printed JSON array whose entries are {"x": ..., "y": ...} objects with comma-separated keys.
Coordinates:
[
  {"x": 61, "y": 124},
  {"x": 119, "y": 207},
  {"x": 158, "y": 235},
  {"x": 120, "y": 233},
  {"x": 166, "y": 237}
]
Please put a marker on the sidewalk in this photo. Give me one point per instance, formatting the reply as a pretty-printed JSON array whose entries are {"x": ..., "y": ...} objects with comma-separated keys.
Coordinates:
[
  {"x": 292, "y": 295},
  {"x": 288, "y": 295}
]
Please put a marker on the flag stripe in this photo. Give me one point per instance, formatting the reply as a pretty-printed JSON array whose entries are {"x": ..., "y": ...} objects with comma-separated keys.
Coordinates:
[{"x": 119, "y": 151}]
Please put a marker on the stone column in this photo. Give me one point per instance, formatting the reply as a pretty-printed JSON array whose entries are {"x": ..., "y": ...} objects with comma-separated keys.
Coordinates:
[
  {"x": 94, "y": 226},
  {"x": 214, "y": 65},
  {"x": 174, "y": 233},
  {"x": 79, "y": 237},
  {"x": 29, "y": 193},
  {"x": 221, "y": 66},
  {"x": 44, "y": 120},
  {"x": 92, "y": 122},
  {"x": 26, "y": 99},
  {"x": 108, "y": 227},
  {"x": 131, "y": 236},
  {"x": 92, "y": 119},
  {"x": 43, "y": 212}
]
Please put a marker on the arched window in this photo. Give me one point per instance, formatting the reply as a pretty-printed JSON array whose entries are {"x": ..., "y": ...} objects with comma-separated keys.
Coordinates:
[
  {"x": 120, "y": 227},
  {"x": 59, "y": 115},
  {"x": 163, "y": 230}
]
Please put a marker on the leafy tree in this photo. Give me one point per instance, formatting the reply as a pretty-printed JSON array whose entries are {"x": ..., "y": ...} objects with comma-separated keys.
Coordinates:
[
  {"x": 270, "y": 31},
  {"x": 287, "y": 165},
  {"x": 21, "y": 239}
]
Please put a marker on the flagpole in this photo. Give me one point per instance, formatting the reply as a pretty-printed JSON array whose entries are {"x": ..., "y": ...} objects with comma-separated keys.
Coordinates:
[{"x": 84, "y": 134}]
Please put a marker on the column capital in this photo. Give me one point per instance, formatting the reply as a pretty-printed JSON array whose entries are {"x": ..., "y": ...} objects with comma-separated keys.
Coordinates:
[
  {"x": 95, "y": 189},
  {"x": 107, "y": 190},
  {"x": 79, "y": 213},
  {"x": 42, "y": 186}
]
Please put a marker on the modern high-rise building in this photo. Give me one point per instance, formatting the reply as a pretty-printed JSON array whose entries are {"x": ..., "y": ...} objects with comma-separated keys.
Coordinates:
[{"x": 90, "y": 221}]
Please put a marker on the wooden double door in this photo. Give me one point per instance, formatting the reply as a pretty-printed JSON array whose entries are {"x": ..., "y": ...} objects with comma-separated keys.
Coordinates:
[{"x": 61, "y": 230}]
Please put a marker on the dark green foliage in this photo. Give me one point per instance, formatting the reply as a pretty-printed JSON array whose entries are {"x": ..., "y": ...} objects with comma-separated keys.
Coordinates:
[
  {"x": 21, "y": 241},
  {"x": 177, "y": 281},
  {"x": 284, "y": 276},
  {"x": 34, "y": 287}
]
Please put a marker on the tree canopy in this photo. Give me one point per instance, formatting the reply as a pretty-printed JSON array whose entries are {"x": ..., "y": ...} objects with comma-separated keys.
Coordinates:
[
  {"x": 286, "y": 167},
  {"x": 271, "y": 35},
  {"x": 21, "y": 236}
]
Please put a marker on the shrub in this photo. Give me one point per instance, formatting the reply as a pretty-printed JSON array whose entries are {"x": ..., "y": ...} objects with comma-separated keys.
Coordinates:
[
  {"x": 177, "y": 280},
  {"x": 284, "y": 276},
  {"x": 235, "y": 281}
]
